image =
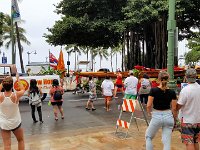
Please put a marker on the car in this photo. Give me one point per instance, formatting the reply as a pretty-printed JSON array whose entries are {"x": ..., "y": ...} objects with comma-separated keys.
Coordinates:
[{"x": 103, "y": 70}]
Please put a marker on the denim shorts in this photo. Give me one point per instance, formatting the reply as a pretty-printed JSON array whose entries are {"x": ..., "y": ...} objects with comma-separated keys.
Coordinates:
[{"x": 190, "y": 133}]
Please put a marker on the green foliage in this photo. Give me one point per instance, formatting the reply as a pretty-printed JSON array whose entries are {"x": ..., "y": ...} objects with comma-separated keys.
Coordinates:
[
  {"x": 193, "y": 56},
  {"x": 50, "y": 71},
  {"x": 88, "y": 23},
  {"x": 1, "y": 28}
]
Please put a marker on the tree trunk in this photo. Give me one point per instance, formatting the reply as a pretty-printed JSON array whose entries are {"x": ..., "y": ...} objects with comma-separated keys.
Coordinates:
[
  {"x": 111, "y": 60},
  {"x": 20, "y": 49}
]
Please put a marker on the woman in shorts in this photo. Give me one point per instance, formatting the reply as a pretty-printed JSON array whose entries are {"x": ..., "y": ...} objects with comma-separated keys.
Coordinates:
[
  {"x": 10, "y": 118},
  {"x": 57, "y": 104},
  {"x": 118, "y": 84},
  {"x": 92, "y": 94}
]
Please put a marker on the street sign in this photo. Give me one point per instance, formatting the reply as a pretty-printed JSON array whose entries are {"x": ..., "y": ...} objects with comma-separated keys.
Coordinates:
[
  {"x": 4, "y": 60},
  {"x": 68, "y": 62}
]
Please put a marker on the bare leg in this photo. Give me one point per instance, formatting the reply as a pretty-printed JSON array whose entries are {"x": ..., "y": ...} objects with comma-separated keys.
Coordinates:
[
  {"x": 115, "y": 92},
  {"x": 61, "y": 111},
  {"x": 108, "y": 105},
  {"x": 92, "y": 105},
  {"x": 192, "y": 146},
  {"x": 55, "y": 112},
  {"x": 19, "y": 134},
  {"x": 88, "y": 103},
  {"x": 6, "y": 136}
]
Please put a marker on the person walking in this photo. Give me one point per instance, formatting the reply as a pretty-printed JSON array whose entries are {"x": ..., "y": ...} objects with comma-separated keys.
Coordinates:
[
  {"x": 189, "y": 106},
  {"x": 163, "y": 114},
  {"x": 56, "y": 99},
  {"x": 35, "y": 94},
  {"x": 10, "y": 118},
  {"x": 144, "y": 89},
  {"x": 92, "y": 94},
  {"x": 118, "y": 84},
  {"x": 107, "y": 90},
  {"x": 130, "y": 83}
]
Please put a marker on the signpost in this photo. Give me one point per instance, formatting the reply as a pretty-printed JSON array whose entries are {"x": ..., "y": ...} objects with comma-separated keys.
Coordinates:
[{"x": 4, "y": 61}]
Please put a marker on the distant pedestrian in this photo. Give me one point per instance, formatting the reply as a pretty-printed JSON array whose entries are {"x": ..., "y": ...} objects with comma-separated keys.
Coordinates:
[
  {"x": 189, "y": 105},
  {"x": 107, "y": 90},
  {"x": 92, "y": 94},
  {"x": 130, "y": 83},
  {"x": 56, "y": 93},
  {"x": 10, "y": 118},
  {"x": 163, "y": 114},
  {"x": 118, "y": 84},
  {"x": 35, "y": 94},
  {"x": 144, "y": 89}
]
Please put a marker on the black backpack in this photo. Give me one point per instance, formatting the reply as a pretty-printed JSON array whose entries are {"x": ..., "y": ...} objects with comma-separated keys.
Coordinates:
[{"x": 57, "y": 95}]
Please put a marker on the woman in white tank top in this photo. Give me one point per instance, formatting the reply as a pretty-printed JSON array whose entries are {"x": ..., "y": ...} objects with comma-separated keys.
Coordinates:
[{"x": 10, "y": 118}]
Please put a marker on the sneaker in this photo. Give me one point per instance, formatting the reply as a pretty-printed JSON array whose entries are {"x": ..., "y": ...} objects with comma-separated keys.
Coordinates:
[
  {"x": 87, "y": 108},
  {"x": 115, "y": 97},
  {"x": 35, "y": 121},
  {"x": 41, "y": 121}
]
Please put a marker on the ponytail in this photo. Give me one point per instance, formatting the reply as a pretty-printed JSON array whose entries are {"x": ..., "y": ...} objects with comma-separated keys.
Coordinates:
[{"x": 163, "y": 76}]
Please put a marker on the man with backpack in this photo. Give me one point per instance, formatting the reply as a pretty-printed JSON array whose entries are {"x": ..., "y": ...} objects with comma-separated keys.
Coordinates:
[{"x": 56, "y": 93}]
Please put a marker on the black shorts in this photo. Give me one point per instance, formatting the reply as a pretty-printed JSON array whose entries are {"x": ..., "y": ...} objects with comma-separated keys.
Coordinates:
[
  {"x": 57, "y": 103},
  {"x": 119, "y": 86}
]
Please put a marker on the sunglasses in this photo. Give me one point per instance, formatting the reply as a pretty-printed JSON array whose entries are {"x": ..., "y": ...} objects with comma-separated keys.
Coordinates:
[{"x": 164, "y": 78}]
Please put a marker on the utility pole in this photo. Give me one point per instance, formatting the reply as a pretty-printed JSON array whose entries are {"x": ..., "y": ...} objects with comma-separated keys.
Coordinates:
[
  {"x": 171, "y": 27},
  {"x": 12, "y": 38}
]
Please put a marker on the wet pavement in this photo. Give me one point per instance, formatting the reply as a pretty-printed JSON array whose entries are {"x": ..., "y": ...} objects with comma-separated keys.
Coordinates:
[{"x": 84, "y": 130}]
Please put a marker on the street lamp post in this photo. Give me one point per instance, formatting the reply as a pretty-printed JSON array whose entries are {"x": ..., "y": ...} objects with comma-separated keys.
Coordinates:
[
  {"x": 29, "y": 55},
  {"x": 171, "y": 27},
  {"x": 68, "y": 63}
]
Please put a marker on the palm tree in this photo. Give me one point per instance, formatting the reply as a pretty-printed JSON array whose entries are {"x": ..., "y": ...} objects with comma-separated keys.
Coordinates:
[
  {"x": 115, "y": 51},
  {"x": 18, "y": 37},
  {"x": 102, "y": 53},
  {"x": 73, "y": 48}
]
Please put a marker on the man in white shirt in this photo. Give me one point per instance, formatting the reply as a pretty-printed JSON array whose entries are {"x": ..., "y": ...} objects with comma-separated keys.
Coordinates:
[
  {"x": 107, "y": 90},
  {"x": 189, "y": 105},
  {"x": 130, "y": 84}
]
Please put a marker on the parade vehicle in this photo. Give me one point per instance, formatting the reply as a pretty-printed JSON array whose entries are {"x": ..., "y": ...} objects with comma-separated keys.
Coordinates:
[{"x": 43, "y": 81}]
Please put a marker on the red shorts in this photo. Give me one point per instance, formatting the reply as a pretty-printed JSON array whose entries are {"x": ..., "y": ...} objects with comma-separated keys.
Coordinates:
[
  {"x": 108, "y": 98},
  {"x": 190, "y": 133}
]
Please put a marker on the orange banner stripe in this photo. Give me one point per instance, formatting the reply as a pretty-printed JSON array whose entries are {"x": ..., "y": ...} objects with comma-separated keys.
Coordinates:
[
  {"x": 132, "y": 106},
  {"x": 126, "y": 105}
]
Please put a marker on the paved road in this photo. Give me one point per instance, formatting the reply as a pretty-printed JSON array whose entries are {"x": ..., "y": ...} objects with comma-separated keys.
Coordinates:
[
  {"x": 76, "y": 117},
  {"x": 83, "y": 130}
]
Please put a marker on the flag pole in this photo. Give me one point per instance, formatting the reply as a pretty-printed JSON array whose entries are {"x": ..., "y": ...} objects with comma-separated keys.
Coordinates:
[
  {"x": 12, "y": 34},
  {"x": 49, "y": 61}
]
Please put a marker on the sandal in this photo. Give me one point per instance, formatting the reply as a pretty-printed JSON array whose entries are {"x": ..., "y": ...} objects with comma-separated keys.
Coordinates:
[
  {"x": 93, "y": 109},
  {"x": 87, "y": 108},
  {"x": 56, "y": 119},
  {"x": 62, "y": 117}
]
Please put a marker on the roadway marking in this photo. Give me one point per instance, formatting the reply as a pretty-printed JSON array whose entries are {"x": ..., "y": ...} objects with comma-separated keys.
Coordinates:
[{"x": 78, "y": 100}]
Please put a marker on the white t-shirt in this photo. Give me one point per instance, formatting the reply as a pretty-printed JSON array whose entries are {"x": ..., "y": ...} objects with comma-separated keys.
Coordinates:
[
  {"x": 130, "y": 84},
  {"x": 107, "y": 86},
  {"x": 189, "y": 98}
]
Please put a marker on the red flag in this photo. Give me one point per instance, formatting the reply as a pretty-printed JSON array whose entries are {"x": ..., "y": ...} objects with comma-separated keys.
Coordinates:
[{"x": 53, "y": 61}]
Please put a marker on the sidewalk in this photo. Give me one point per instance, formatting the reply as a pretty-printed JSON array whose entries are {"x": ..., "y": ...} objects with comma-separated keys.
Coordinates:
[{"x": 96, "y": 138}]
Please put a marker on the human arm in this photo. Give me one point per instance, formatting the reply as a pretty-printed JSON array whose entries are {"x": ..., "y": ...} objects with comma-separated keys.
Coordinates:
[
  {"x": 21, "y": 91},
  {"x": 149, "y": 105},
  {"x": 1, "y": 87}
]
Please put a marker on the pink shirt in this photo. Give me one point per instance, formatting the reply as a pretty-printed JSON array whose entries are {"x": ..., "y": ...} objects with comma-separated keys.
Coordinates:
[{"x": 52, "y": 90}]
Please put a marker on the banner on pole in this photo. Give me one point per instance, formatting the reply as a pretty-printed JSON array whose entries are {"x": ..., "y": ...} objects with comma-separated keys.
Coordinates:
[{"x": 15, "y": 11}]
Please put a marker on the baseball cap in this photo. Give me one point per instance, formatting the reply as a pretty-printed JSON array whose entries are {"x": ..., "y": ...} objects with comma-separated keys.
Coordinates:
[{"x": 191, "y": 75}]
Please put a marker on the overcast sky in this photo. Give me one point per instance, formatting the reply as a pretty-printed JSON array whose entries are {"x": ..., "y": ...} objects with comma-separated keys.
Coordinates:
[{"x": 38, "y": 15}]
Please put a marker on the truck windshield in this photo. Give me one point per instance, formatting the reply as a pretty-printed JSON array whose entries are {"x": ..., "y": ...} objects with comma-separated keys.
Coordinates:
[{"x": 5, "y": 71}]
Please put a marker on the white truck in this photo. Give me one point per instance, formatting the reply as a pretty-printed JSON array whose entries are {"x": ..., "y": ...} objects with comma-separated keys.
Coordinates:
[{"x": 43, "y": 81}]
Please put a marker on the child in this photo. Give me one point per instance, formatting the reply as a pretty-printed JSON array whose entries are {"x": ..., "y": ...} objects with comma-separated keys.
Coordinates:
[
  {"x": 107, "y": 90},
  {"x": 92, "y": 94}
]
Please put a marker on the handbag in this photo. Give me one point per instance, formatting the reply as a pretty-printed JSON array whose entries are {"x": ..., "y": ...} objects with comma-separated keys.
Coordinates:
[{"x": 35, "y": 99}]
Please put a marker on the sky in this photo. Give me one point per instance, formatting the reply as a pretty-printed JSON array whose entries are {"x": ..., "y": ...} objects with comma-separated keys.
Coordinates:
[{"x": 39, "y": 15}]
